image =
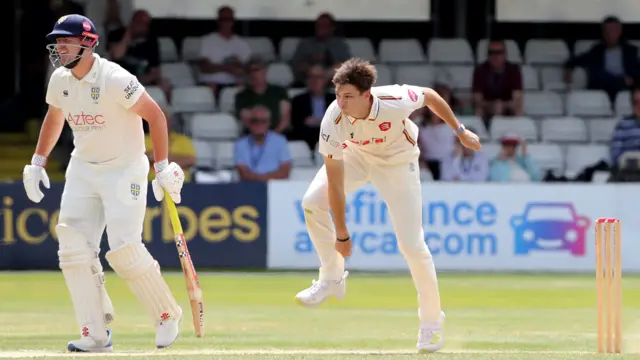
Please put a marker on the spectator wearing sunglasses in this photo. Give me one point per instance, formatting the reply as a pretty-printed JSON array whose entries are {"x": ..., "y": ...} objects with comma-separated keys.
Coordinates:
[{"x": 497, "y": 85}]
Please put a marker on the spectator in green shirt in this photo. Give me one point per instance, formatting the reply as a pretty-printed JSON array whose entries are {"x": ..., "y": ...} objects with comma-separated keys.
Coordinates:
[{"x": 260, "y": 92}]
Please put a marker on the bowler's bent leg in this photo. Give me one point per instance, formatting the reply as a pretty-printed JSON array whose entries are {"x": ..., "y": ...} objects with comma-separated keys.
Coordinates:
[
  {"x": 315, "y": 205},
  {"x": 125, "y": 197},
  {"x": 400, "y": 187}
]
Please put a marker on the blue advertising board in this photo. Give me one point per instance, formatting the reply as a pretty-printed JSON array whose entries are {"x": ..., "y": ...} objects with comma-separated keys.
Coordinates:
[{"x": 224, "y": 225}]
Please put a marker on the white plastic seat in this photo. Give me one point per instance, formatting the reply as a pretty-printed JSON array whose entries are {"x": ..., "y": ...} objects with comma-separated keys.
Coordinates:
[
  {"x": 588, "y": 103},
  {"x": 523, "y": 127},
  {"x": 168, "y": 49},
  {"x": 158, "y": 95},
  {"x": 279, "y": 74},
  {"x": 623, "y": 105},
  {"x": 288, "y": 46},
  {"x": 477, "y": 124},
  {"x": 262, "y": 47},
  {"x": 300, "y": 153},
  {"x": 214, "y": 126},
  {"x": 530, "y": 79},
  {"x": 225, "y": 154},
  {"x": 415, "y": 74},
  {"x": 305, "y": 174},
  {"x": 582, "y": 46},
  {"x": 193, "y": 99},
  {"x": 513, "y": 51},
  {"x": 564, "y": 129},
  {"x": 581, "y": 156},
  {"x": 462, "y": 76},
  {"x": 178, "y": 73},
  {"x": 205, "y": 153},
  {"x": 385, "y": 76},
  {"x": 449, "y": 51},
  {"x": 227, "y": 100},
  {"x": 546, "y": 52},
  {"x": 362, "y": 48},
  {"x": 601, "y": 130},
  {"x": 547, "y": 156},
  {"x": 543, "y": 103},
  {"x": 401, "y": 50},
  {"x": 191, "y": 48}
]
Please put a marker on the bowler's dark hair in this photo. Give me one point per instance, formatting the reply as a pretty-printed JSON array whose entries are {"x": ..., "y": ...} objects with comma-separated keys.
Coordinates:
[{"x": 357, "y": 72}]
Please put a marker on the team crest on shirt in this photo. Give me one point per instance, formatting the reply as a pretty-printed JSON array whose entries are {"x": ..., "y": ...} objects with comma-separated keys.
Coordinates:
[
  {"x": 95, "y": 94},
  {"x": 135, "y": 191},
  {"x": 385, "y": 126}
]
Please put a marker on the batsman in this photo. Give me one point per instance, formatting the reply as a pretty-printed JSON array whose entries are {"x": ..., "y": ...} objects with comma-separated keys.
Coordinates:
[{"x": 105, "y": 183}]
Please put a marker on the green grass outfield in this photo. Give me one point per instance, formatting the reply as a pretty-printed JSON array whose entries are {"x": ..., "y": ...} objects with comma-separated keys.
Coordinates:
[{"x": 253, "y": 316}]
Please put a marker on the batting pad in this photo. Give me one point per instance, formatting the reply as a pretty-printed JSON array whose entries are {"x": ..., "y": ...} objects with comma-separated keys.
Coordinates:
[
  {"x": 133, "y": 263},
  {"x": 76, "y": 260}
]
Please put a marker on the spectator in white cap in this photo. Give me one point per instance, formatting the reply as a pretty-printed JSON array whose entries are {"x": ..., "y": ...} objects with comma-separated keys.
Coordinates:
[
  {"x": 510, "y": 165},
  {"x": 465, "y": 165}
]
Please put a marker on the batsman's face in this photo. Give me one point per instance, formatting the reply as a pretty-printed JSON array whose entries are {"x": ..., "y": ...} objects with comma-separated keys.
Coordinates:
[
  {"x": 351, "y": 101},
  {"x": 68, "y": 48}
]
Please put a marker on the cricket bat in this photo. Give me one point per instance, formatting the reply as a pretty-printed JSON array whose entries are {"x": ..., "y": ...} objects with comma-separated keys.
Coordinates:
[{"x": 190, "y": 275}]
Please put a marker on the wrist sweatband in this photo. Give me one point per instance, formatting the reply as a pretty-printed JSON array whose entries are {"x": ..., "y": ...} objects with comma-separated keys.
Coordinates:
[
  {"x": 160, "y": 165},
  {"x": 39, "y": 160}
]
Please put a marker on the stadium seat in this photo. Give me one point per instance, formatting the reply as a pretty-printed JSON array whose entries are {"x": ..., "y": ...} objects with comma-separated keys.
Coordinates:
[
  {"x": 581, "y": 156},
  {"x": 546, "y": 52},
  {"x": 224, "y": 154},
  {"x": 623, "y": 104},
  {"x": 305, "y": 174},
  {"x": 461, "y": 75},
  {"x": 158, "y": 95},
  {"x": 401, "y": 50},
  {"x": 588, "y": 103},
  {"x": 477, "y": 124},
  {"x": 191, "y": 48},
  {"x": 205, "y": 153},
  {"x": 542, "y": 103},
  {"x": 219, "y": 126},
  {"x": 288, "y": 46},
  {"x": 415, "y": 74},
  {"x": 300, "y": 153},
  {"x": 449, "y": 51},
  {"x": 279, "y": 74},
  {"x": 601, "y": 130},
  {"x": 362, "y": 48},
  {"x": 547, "y": 156},
  {"x": 564, "y": 129},
  {"x": 262, "y": 47},
  {"x": 582, "y": 46},
  {"x": 385, "y": 77},
  {"x": 168, "y": 50},
  {"x": 513, "y": 51},
  {"x": 530, "y": 79},
  {"x": 193, "y": 99},
  {"x": 524, "y": 127},
  {"x": 178, "y": 73},
  {"x": 552, "y": 79},
  {"x": 227, "y": 99}
]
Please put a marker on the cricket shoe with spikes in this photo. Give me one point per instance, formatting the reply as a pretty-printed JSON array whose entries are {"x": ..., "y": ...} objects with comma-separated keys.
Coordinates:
[
  {"x": 167, "y": 330},
  {"x": 430, "y": 336},
  {"x": 86, "y": 343},
  {"x": 322, "y": 290}
]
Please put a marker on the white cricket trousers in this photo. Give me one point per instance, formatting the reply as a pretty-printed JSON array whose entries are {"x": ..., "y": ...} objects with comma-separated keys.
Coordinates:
[
  {"x": 400, "y": 188},
  {"x": 99, "y": 195}
]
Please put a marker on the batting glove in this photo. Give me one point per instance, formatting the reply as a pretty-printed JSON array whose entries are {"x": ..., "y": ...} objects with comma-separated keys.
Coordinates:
[
  {"x": 169, "y": 177},
  {"x": 32, "y": 176}
]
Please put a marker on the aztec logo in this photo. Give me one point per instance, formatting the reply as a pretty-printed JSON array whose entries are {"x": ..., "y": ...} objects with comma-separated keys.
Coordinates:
[{"x": 550, "y": 226}]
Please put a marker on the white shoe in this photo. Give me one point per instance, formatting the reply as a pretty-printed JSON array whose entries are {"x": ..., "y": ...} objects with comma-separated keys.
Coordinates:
[
  {"x": 89, "y": 344},
  {"x": 321, "y": 290},
  {"x": 430, "y": 336},
  {"x": 167, "y": 332}
]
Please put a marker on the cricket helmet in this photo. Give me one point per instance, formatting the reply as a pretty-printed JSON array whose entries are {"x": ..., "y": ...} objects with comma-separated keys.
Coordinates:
[{"x": 76, "y": 26}]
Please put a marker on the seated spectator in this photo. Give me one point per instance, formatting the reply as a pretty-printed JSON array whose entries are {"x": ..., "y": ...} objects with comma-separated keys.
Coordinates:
[
  {"x": 135, "y": 49},
  {"x": 511, "y": 166},
  {"x": 223, "y": 54},
  {"x": 260, "y": 92},
  {"x": 611, "y": 65},
  {"x": 465, "y": 164},
  {"x": 497, "y": 85},
  {"x": 307, "y": 109},
  {"x": 181, "y": 149},
  {"x": 626, "y": 136},
  {"x": 263, "y": 154},
  {"x": 324, "y": 48}
]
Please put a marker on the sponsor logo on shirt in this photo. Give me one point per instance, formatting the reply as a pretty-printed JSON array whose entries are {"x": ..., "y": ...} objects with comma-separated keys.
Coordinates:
[
  {"x": 86, "y": 122},
  {"x": 373, "y": 140},
  {"x": 328, "y": 140},
  {"x": 131, "y": 89}
]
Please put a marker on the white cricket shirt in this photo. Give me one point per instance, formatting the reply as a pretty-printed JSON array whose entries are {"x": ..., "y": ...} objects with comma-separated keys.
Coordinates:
[
  {"x": 96, "y": 109},
  {"x": 386, "y": 137}
]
